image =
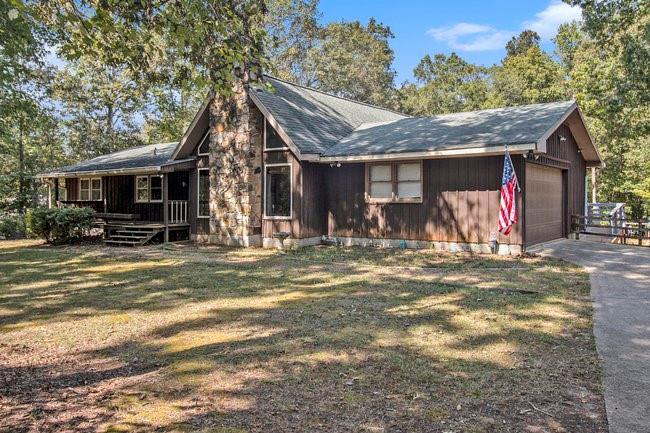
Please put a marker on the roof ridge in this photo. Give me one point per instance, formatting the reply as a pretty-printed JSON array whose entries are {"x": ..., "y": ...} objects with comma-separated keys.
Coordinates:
[
  {"x": 336, "y": 96},
  {"x": 485, "y": 110}
]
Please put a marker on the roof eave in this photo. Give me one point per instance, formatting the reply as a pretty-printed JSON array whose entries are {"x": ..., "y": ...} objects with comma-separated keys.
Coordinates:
[
  {"x": 432, "y": 154},
  {"x": 278, "y": 128},
  {"x": 189, "y": 129},
  {"x": 541, "y": 143},
  {"x": 118, "y": 171}
]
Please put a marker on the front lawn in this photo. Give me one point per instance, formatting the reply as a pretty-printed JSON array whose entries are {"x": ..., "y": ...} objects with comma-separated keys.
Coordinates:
[{"x": 218, "y": 340}]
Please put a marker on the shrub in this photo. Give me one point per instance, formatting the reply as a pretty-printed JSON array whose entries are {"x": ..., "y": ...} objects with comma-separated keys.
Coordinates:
[
  {"x": 60, "y": 225},
  {"x": 12, "y": 226}
]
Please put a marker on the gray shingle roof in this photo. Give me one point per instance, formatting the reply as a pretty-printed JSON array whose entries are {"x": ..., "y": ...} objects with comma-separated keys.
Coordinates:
[
  {"x": 150, "y": 155},
  {"x": 477, "y": 129},
  {"x": 315, "y": 120}
]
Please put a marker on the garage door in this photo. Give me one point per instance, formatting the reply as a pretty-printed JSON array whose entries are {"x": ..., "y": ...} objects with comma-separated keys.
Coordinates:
[{"x": 543, "y": 205}]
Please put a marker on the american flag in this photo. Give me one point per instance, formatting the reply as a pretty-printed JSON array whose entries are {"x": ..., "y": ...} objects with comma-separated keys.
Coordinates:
[{"x": 508, "y": 207}]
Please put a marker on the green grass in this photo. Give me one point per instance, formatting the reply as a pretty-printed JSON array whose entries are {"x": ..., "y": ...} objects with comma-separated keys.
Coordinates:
[{"x": 187, "y": 339}]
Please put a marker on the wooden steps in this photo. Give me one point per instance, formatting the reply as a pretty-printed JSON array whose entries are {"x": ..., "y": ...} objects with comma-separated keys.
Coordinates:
[{"x": 130, "y": 235}]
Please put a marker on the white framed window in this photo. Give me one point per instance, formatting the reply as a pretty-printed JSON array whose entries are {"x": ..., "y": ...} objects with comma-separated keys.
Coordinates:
[
  {"x": 278, "y": 187},
  {"x": 272, "y": 140},
  {"x": 90, "y": 188},
  {"x": 203, "y": 149},
  {"x": 148, "y": 189},
  {"x": 394, "y": 182},
  {"x": 203, "y": 193},
  {"x": 409, "y": 180}
]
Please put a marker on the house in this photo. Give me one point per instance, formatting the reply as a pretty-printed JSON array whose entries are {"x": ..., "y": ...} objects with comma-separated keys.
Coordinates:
[{"x": 305, "y": 164}]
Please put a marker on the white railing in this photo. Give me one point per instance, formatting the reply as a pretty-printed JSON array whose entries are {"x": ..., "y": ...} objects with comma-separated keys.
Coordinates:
[
  {"x": 615, "y": 212},
  {"x": 177, "y": 211}
]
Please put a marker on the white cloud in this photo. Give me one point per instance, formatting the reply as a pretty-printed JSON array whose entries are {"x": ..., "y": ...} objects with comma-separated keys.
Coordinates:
[
  {"x": 471, "y": 37},
  {"x": 547, "y": 21},
  {"x": 480, "y": 37}
]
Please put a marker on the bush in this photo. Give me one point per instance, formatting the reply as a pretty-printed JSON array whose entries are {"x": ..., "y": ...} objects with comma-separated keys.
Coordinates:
[
  {"x": 12, "y": 226},
  {"x": 60, "y": 225}
]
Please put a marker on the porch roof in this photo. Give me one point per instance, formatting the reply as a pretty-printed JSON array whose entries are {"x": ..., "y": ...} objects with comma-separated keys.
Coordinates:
[{"x": 147, "y": 158}]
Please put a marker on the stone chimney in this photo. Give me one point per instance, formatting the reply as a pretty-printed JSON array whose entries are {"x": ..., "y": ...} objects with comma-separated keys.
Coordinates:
[{"x": 236, "y": 127}]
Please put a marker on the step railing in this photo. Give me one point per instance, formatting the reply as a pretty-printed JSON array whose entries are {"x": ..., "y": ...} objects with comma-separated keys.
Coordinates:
[{"x": 177, "y": 211}]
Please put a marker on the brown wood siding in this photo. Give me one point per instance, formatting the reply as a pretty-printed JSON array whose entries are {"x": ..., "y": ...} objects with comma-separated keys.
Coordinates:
[
  {"x": 179, "y": 185},
  {"x": 313, "y": 215},
  {"x": 72, "y": 188},
  {"x": 568, "y": 151},
  {"x": 119, "y": 192},
  {"x": 459, "y": 204},
  {"x": 544, "y": 203},
  {"x": 563, "y": 155}
]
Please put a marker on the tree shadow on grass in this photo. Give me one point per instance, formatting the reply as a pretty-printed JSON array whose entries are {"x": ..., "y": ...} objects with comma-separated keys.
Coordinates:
[{"x": 271, "y": 347}]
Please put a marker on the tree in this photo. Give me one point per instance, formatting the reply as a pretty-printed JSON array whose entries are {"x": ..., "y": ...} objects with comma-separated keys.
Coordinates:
[
  {"x": 214, "y": 40},
  {"x": 521, "y": 43},
  {"x": 610, "y": 75},
  {"x": 568, "y": 41},
  {"x": 29, "y": 137},
  {"x": 445, "y": 84},
  {"x": 99, "y": 105},
  {"x": 527, "y": 78},
  {"x": 354, "y": 61},
  {"x": 294, "y": 30}
]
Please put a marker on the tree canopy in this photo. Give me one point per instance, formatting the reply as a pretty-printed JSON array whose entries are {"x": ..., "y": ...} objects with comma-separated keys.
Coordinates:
[{"x": 82, "y": 78}]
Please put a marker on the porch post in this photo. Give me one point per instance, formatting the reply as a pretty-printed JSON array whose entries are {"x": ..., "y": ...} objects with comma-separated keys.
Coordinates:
[
  {"x": 56, "y": 192},
  {"x": 166, "y": 206},
  {"x": 593, "y": 184}
]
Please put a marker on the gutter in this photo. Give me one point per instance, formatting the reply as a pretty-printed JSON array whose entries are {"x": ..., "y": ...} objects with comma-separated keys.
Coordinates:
[{"x": 450, "y": 153}]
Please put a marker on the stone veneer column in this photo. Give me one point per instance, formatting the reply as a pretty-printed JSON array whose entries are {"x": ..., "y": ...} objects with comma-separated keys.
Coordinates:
[{"x": 237, "y": 129}]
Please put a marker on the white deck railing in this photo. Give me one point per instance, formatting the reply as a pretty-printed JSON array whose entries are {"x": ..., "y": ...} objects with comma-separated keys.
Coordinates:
[{"x": 177, "y": 211}]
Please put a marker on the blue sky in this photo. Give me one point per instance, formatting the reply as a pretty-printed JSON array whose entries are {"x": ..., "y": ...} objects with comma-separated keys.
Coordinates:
[{"x": 476, "y": 30}]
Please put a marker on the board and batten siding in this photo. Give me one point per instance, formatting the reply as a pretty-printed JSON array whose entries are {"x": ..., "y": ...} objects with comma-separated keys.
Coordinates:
[
  {"x": 576, "y": 169},
  {"x": 460, "y": 203},
  {"x": 563, "y": 155}
]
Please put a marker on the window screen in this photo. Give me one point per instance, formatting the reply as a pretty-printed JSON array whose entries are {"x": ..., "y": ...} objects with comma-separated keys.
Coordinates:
[
  {"x": 409, "y": 183},
  {"x": 395, "y": 182},
  {"x": 381, "y": 184}
]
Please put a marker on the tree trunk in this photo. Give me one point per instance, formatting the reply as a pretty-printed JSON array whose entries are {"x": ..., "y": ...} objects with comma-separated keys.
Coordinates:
[
  {"x": 109, "y": 118},
  {"x": 22, "y": 199}
]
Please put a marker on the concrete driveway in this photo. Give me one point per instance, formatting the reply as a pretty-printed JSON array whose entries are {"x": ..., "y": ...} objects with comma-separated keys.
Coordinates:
[{"x": 620, "y": 292}]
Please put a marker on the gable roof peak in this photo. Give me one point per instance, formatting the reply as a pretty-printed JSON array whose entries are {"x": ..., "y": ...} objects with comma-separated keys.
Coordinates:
[{"x": 334, "y": 95}]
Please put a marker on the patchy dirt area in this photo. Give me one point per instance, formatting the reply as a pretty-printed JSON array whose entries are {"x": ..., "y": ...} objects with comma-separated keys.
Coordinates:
[{"x": 219, "y": 340}]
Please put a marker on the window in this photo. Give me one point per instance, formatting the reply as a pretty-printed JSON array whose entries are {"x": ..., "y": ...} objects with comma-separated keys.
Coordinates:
[
  {"x": 204, "y": 193},
  {"x": 272, "y": 141},
  {"x": 148, "y": 189},
  {"x": 409, "y": 184},
  {"x": 394, "y": 182},
  {"x": 204, "y": 144},
  {"x": 381, "y": 182},
  {"x": 277, "y": 200},
  {"x": 90, "y": 189}
]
